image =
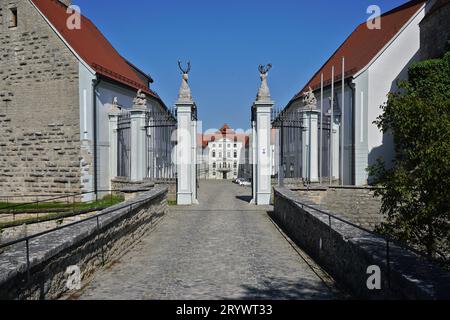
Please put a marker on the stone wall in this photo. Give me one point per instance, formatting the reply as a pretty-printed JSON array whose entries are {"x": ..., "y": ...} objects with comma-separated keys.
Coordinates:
[
  {"x": 87, "y": 245},
  {"x": 39, "y": 107},
  {"x": 356, "y": 204},
  {"x": 435, "y": 30},
  {"x": 346, "y": 252},
  {"x": 121, "y": 183}
]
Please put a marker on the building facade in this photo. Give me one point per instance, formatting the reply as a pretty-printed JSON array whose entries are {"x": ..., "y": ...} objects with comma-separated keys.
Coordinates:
[
  {"x": 370, "y": 63},
  {"x": 224, "y": 154},
  {"x": 56, "y": 90}
]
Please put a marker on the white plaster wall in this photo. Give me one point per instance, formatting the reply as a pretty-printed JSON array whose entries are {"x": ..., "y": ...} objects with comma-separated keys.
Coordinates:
[
  {"x": 86, "y": 78},
  {"x": 360, "y": 128},
  {"x": 389, "y": 67}
]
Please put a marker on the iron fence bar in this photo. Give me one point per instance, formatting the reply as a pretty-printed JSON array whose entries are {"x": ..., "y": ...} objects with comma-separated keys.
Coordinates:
[
  {"x": 386, "y": 238},
  {"x": 27, "y": 244},
  {"x": 28, "y": 238},
  {"x": 8, "y": 244}
]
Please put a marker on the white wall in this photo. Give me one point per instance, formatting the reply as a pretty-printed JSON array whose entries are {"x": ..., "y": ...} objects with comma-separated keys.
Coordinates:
[
  {"x": 86, "y": 78},
  {"x": 390, "y": 66}
]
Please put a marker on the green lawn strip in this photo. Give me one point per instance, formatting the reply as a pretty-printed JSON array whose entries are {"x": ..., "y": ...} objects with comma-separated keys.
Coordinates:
[
  {"x": 46, "y": 218},
  {"x": 68, "y": 211},
  {"x": 39, "y": 207},
  {"x": 172, "y": 202}
]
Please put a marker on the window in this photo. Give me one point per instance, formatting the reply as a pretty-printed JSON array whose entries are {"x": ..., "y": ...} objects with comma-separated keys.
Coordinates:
[
  {"x": 214, "y": 173},
  {"x": 220, "y": 154},
  {"x": 228, "y": 154},
  {"x": 235, "y": 145},
  {"x": 1, "y": 17},
  {"x": 214, "y": 154},
  {"x": 235, "y": 154},
  {"x": 235, "y": 165},
  {"x": 13, "y": 18},
  {"x": 214, "y": 165}
]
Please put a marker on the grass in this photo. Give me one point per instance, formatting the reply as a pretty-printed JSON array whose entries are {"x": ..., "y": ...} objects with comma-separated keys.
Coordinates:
[
  {"x": 67, "y": 210},
  {"x": 107, "y": 200},
  {"x": 172, "y": 202}
]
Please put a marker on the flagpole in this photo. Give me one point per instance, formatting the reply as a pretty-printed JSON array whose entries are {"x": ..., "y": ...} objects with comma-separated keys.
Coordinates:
[
  {"x": 321, "y": 130},
  {"x": 343, "y": 121},
  {"x": 331, "y": 126}
]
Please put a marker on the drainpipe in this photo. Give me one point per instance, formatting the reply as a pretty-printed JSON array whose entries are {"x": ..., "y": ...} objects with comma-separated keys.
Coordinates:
[
  {"x": 95, "y": 84},
  {"x": 351, "y": 85}
]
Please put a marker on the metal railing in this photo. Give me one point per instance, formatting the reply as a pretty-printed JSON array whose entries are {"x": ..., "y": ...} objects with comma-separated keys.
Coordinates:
[
  {"x": 12, "y": 209},
  {"x": 388, "y": 240},
  {"x": 97, "y": 217}
]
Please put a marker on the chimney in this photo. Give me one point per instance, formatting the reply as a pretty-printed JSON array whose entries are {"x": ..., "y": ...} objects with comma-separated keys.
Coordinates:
[{"x": 66, "y": 2}]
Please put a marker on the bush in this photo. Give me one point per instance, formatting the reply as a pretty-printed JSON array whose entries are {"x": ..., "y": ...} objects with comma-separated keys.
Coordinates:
[{"x": 416, "y": 193}]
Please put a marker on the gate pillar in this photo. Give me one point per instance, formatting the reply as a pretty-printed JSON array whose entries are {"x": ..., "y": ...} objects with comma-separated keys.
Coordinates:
[
  {"x": 311, "y": 143},
  {"x": 186, "y": 143},
  {"x": 113, "y": 117},
  {"x": 138, "y": 133},
  {"x": 262, "y": 110}
]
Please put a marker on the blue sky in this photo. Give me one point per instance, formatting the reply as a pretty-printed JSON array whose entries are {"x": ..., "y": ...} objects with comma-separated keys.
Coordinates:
[{"x": 226, "y": 41}]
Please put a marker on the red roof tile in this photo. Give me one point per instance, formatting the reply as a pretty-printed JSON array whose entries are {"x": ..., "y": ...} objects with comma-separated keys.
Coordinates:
[
  {"x": 90, "y": 44},
  {"x": 363, "y": 45}
]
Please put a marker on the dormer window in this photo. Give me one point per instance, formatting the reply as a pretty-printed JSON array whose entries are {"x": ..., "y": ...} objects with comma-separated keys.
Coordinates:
[{"x": 13, "y": 20}]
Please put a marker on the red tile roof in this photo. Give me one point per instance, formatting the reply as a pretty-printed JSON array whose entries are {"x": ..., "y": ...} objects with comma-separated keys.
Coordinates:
[
  {"x": 363, "y": 45},
  {"x": 226, "y": 132},
  {"x": 92, "y": 46}
]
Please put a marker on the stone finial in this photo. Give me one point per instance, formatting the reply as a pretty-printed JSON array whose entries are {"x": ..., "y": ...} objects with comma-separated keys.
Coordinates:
[
  {"x": 140, "y": 100},
  {"x": 115, "y": 108},
  {"x": 184, "y": 94},
  {"x": 309, "y": 99},
  {"x": 263, "y": 92}
]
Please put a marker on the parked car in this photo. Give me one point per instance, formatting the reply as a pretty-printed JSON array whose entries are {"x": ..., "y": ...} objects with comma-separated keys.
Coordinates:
[{"x": 245, "y": 183}]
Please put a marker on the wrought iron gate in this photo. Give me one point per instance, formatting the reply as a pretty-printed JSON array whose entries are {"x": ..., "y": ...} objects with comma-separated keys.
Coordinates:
[
  {"x": 160, "y": 142},
  {"x": 124, "y": 144},
  {"x": 293, "y": 148}
]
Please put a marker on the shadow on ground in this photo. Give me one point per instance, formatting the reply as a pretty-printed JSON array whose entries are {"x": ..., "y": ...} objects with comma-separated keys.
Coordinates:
[
  {"x": 273, "y": 288},
  {"x": 244, "y": 198}
]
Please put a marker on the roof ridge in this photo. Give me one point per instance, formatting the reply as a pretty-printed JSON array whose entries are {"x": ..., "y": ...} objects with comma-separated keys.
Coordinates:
[{"x": 345, "y": 42}]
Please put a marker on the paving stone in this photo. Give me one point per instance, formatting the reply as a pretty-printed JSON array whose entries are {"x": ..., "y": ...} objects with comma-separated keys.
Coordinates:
[{"x": 224, "y": 248}]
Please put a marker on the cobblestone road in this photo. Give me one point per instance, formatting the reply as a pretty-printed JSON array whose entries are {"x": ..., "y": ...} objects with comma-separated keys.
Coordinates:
[{"x": 224, "y": 248}]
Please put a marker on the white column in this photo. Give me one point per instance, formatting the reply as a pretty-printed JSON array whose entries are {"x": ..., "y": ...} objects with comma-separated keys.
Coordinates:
[
  {"x": 336, "y": 148},
  {"x": 113, "y": 123},
  {"x": 305, "y": 144},
  {"x": 253, "y": 161},
  {"x": 314, "y": 146},
  {"x": 194, "y": 160},
  {"x": 138, "y": 150},
  {"x": 311, "y": 145},
  {"x": 263, "y": 158},
  {"x": 184, "y": 154}
]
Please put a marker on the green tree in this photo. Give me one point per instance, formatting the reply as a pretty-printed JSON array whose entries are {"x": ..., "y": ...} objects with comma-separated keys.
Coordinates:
[{"x": 416, "y": 189}]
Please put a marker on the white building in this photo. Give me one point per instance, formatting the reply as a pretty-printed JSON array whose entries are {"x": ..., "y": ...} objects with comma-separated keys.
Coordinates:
[
  {"x": 224, "y": 154},
  {"x": 375, "y": 59},
  {"x": 102, "y": 74}
]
